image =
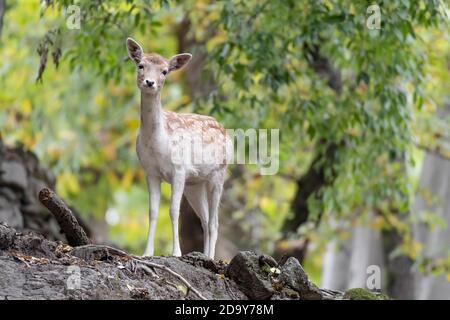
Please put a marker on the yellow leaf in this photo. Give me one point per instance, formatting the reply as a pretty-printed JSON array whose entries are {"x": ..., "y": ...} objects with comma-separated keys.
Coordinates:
[
  {"x": 100, "y": 100},
  {"x": 378, "y": 223},
  {"x": 69, "y": 182},
  {"x": 427, "y": 196},
  {"x": 446, "y": 153},
  {"x": 214, "y": 41},
  {"x": 283, "y": 245},
  {"x": 29, "y": 141},
  {"x": 112, "y": 178},
  {"x": 182, "y": 289},
  {"x": 132, "y": 123},
  {"x": 412, "y": 248},
  {"x": 26, "y": 107},
  {"x": 268, "y": 205},
  {"x": 127, "y": 179},
  {"x": 185, "y": 99}
]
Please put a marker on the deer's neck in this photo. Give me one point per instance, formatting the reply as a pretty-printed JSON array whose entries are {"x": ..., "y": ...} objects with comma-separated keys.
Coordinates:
[{"x": 152, "y": 119}]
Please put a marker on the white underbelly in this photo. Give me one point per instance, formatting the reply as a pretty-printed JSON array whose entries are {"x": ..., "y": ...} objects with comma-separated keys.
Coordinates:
[{"x": 163, "y": 160}]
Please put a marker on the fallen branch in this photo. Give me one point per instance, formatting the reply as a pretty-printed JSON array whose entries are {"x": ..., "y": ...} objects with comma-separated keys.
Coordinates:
[
  {"x": 180, "y": 277},
  {"x": 75, "y": 234}
]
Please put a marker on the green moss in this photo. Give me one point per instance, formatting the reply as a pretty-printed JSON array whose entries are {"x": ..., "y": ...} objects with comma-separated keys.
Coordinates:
[
  {"x": 363, "y": 294},
  {"x": 291, "y": 293},
  {"x": 265, "y": 268}
]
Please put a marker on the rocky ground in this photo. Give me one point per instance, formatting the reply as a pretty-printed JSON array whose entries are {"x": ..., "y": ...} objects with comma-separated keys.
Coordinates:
[
  {"x": 32, "y": 267},
  {"x": 37, "y": 263}
]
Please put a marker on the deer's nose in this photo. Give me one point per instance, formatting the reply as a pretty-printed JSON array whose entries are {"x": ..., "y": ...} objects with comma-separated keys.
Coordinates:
[{"x": 150, "y": 83}]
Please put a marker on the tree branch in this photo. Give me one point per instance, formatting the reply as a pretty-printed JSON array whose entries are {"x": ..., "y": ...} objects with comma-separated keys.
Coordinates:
[
  {"x": 323, "y": 67},
  {"x": 75, "y": 234},
  {"x": 314, "y": 179}
]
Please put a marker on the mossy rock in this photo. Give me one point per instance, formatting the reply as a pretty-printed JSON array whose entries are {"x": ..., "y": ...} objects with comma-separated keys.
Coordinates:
[
  {"x": 246, "y": 271},
  {"x": 363, "y": 294},
  {"x": 290, "y": 293}
]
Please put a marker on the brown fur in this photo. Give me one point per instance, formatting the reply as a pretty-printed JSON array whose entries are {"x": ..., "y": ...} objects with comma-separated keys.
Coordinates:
[
  {"x": 208, "y": 127},
  {"x": 155, "y": 59}
]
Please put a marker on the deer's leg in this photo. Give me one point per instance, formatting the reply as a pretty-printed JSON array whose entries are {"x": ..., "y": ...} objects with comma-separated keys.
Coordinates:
[
  {"x": 177, "y": 193},
  {"x": 215, "y": 192},
  {"x": 198, "y": 199},
  {"x": 154, "y": 187}
]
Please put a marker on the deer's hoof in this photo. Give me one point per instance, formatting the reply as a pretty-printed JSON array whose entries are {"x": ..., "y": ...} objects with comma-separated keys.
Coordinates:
[{"x": 147, "y": 254}]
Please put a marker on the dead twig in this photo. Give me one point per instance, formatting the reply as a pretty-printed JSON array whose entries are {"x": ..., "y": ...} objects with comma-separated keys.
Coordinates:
[
  {"x": 147, "y": 270},
  {"x": 176, "y": 275}
]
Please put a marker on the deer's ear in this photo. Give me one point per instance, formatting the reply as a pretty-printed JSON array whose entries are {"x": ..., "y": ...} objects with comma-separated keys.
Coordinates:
[
  {"x": 179, "y": 61},
  {"x": 134, "y": 50}
]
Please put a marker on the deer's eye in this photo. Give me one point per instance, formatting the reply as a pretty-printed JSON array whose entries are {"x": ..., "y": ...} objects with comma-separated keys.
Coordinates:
[
  {"x": 141, "y": 66},
  {"x": 164, "y": 72}
]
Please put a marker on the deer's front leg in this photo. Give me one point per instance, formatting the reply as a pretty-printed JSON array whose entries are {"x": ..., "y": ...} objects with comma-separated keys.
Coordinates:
[
  {"x": 177, "y": 192},
  {"x": 154, "y": 189}
]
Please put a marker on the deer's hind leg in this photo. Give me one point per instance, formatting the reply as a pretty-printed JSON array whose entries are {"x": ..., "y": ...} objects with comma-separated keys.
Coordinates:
[
  {"x": 198, "y": 199},
  {"x": 215, "y": 187}
]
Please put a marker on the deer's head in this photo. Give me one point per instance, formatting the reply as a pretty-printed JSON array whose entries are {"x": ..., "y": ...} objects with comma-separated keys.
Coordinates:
[{"x": 152, "y": 68}]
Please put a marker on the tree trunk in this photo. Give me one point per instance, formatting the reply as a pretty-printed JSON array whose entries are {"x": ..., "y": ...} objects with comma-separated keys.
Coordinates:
[
  {"x": 346, "y": 262},
  {"x": 314, "y": 179},
  {"x": 367, "y": 250},
  {"x": 335, "y": 266},
  {"x": 309, "y": 185},
  {"x": 400, "y": 277},
  {"x": 434, "y": 182}
]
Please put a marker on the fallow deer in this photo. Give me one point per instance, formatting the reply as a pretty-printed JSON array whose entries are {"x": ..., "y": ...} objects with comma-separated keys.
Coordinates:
[{"x": 163, "y": 134}]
